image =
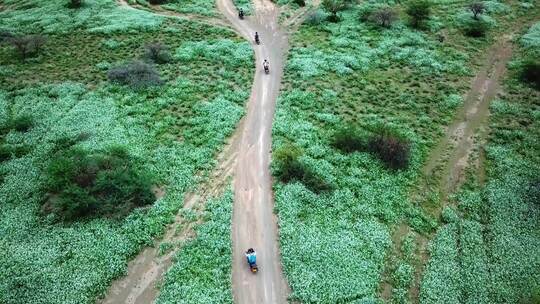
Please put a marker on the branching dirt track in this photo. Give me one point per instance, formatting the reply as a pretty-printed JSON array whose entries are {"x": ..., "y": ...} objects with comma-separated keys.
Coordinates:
[{"x": 247, "y": 157}]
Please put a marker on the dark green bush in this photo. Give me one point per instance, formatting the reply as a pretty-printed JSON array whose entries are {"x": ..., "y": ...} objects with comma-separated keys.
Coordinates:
[
  {"x": 5, "y": 153},
  {"x": 8, "y": 152},
  {"x": 418, "y": 11},
  {"x": 391, "y": 149},
  {"x": 334, "y": 7},
  {"x": 157, "y": 53},
  {"x": 87, "y": 184},
  {"x": 5, "y": 35},
  {"x": 349, "y": 140},
  {"x": 28, "y": 45},
  {"x": 530, "y": 72},
  {"x": 475, "y": 28},
  {"x": 315, "y": 18},
  {"x": 290, "y": 168},
  {"x": 300, "y": 2},
  {"x": 75, "y": 3},
  {"x": 384, "y": 17},
  {"x": 137, "y": 75},
  {"x": 22, "y": 123},
  {"x": 154, "y": 2}
]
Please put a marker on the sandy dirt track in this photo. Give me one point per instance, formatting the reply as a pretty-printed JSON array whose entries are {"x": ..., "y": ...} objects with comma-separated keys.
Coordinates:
[{"x": 254, "y": 224}]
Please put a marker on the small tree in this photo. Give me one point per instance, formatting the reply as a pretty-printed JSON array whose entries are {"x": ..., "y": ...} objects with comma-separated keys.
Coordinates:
[
  {"x": 300, "y": 2},
  {"x": 334, "y": 7},
  {"x": 419, "y": 11},
  {"x": 28, "y": 45},
  {"x": 477, "y": 8},
  {"x": 137, "y": 75},
  {"x": 384, "y": 17},
  {"x": 154, "y": 2},
  {"x": 157, "y": 53}
]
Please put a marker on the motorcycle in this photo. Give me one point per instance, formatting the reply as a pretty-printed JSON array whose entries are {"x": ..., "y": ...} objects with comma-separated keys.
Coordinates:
[
  {"x": 241, "y": 14},
  {"x": 252, "y": 260}
]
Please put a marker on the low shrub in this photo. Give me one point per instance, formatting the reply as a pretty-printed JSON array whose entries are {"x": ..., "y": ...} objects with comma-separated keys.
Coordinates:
[
  {"x": 530, "y": 72},
  {"x": 418, "y": 11},
  {"x": 334, "y": 7},
  {"x": 474, "y": 26},
  {"x": 75, "y": 3},
  {"x": 27, "y": 46},
  {"x": 288, "y": 165},
  {"x": 366, "y": 10},
  {"x": 349, "y": 140},
  {"x": 315, "y": 18},
  {"x": 5, "y": 153},
  {"x": 136, "y": 74},
  {"x": 300, "y": 2},
  {"x": 391, "y": 149},
  {"x": 384, "y": 17},
  {"x": 157, "y": 53},
  {"x": 8, "y": 152},
  {"x": 82, "y": 184},
  {"x": 22, "y": 123},
  {"x": 290, "y": 168},
  {"x": 5, "y": 35},
  {"x": 154, "y": 2}
]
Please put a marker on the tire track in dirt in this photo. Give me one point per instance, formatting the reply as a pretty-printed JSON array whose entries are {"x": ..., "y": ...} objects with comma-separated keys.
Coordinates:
[{"x": 449, "y": 160}]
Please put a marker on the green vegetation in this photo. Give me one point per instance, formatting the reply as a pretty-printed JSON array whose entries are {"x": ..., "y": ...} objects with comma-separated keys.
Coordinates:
[
  {"x": 419, "y": 12},
  {"x": 344, "y": 79},
  {"x": 83, "y": 184},
  {"x": 136, "y": 74},
  {"x": 199, "y": 7},
  {"x": 202, "y": 269},
  {"x": 58, "y": 108},
  {"x": 489, "y": 252}
]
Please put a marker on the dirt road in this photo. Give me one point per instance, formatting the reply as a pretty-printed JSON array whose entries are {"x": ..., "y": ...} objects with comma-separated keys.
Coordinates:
[
  {"x": 254, "y": 224},
  {"x": 247, "y": 157}
]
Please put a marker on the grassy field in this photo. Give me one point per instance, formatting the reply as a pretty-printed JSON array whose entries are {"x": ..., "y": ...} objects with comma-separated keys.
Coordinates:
[
  {"x": 488, "y": 251},
  {"x": 202, "y": 270},
  {"x": 172, "y": 131},
  {"x": 336, "y": 219}
]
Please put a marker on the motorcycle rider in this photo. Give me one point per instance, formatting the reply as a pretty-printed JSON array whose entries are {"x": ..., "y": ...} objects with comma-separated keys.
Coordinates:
[
  {"x": 257, "y": 38},
  {"x": 266, "y": 65},
  {"x": 241, "y": 14},
  {"x": 251, "y": 256}
]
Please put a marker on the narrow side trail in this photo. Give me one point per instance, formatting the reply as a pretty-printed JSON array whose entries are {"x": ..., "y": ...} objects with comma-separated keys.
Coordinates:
[
  {"x": 254, "y": 224},
  {"x": 449, "y": 161}
]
